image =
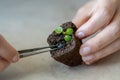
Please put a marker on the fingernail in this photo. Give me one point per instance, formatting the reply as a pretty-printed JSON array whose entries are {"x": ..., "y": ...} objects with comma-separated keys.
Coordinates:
[
  {"x": 15, "y": 59},
  {"x": 80, "y": 34},
  {"x": 85, "y": 50},
  {"x": 88, "y": 58}
]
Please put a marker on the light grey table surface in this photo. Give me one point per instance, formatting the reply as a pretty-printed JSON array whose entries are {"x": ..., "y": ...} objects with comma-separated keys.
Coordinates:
[{"x": 27, "y": 24}]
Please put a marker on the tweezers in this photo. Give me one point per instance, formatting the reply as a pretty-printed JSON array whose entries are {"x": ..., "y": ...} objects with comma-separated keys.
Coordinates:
[{"x": 34, "y": 51}]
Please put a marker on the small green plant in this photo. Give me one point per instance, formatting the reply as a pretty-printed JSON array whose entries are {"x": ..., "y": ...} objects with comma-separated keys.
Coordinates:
[
  {"x": 69, "y": 31},
  {"x": 67, "y": 34},
  {"x": 67, "y": 38},
  {"x": 59, "y": 30}
]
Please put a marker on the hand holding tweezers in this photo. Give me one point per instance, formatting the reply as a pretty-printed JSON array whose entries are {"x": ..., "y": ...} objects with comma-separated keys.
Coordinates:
[{"x": 34, "y": 51}]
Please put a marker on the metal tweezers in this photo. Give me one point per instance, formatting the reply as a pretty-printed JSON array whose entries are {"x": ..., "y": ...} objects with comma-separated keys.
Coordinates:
[{"x": 34, "y": 51}]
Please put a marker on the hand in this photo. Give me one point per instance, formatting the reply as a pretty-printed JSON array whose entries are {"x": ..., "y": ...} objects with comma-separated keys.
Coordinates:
[
  {"x": 102, "y": 16},
  {"x": 7, "y": 54}
]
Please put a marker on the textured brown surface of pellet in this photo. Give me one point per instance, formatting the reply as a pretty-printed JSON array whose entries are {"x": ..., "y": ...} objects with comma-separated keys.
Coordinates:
[{"x": 69, "y": 54}]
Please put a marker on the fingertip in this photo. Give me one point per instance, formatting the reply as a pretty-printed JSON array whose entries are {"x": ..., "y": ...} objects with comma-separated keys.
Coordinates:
[
  {"x": 85, "y": 50},
  {"x": 8, "y": 52},
  {"x": 13, "y": 56},
  {"x": 80, "y": 34},
  {"x": 88, "y": 63},
  {"x": 15, "y": 59}
]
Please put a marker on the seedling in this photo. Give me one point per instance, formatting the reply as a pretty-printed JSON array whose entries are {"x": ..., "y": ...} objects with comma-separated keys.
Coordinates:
[
  {"x": 67, "y": 38},
  {"x": 59, "y": 30},
  {"x": 67, "y": 34}
]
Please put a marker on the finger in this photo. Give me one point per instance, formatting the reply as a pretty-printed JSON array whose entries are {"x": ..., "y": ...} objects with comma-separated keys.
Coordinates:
[
  {"x": 3, "y": 64},
  {"x": 110, "y": 49},
  {"x": 83, "y": 14},
  {"x": 7, "y": 51},
  {"x": 102, "y": 39},
  {"x": 101, "y": 16}
]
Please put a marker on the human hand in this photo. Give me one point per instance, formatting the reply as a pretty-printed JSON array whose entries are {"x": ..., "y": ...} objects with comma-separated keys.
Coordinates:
[
  {"x": 7, "y": 54},
  {"x": 102, "y": 16}
]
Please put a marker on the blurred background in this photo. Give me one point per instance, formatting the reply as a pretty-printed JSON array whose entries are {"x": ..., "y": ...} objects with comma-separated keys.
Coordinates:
[
  {"x": 34, "y": 19},
  {"x": 27, "y": 24}
]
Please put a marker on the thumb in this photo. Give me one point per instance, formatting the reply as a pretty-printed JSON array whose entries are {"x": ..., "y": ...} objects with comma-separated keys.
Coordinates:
[{"x": 7, "y": 52}]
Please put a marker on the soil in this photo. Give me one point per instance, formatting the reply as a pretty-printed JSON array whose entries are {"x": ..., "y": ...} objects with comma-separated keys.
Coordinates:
[{"x": 68, "y": 53}]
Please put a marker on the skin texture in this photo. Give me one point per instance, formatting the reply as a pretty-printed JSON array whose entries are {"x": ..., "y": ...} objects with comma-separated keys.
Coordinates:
[
  {"x": 102, "y": 16},
  {"x": 8, "y": 54}
]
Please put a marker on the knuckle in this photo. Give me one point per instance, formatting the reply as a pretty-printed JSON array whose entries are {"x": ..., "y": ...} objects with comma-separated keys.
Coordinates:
[
  {"x": 108, "y": 11},
  {"x": 96, "y": 45},
  {"x": 115, "y": 29},
  {"x": 107, "y": 14}
]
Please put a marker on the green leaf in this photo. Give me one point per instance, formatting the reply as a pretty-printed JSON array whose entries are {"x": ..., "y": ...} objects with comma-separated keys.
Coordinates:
[
  {"x": 59, "y": 30},
  {"x": 67, "y": 38},
  {"x": 69, "y": 31}
]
